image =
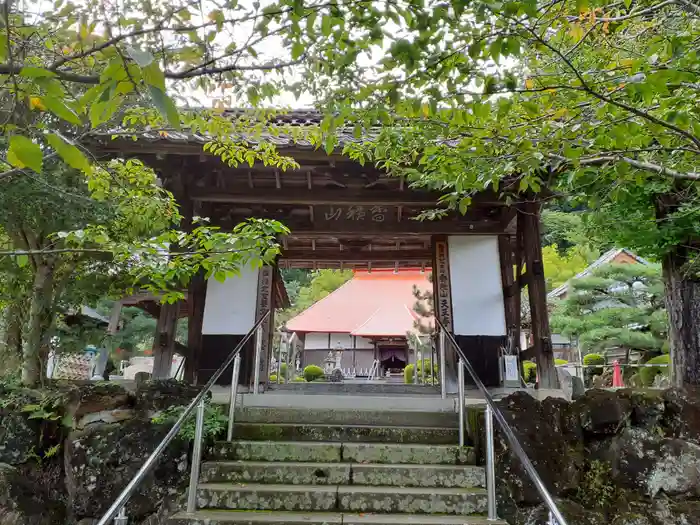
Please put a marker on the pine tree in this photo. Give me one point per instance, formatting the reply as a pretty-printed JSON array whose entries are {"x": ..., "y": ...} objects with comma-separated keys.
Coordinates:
[{"x": 617, "y": 306}]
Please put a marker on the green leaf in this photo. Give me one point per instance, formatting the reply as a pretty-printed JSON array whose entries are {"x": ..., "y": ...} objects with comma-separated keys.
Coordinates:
[
  {"x": 142, "y": 58},
  {"x": 69, "y": 153},
  {"x": 297, "y": 50},
  {"x": 22, "y": 260},
  {"x": 153, "y": 76},
  {"x": 165, "y": 105},
  {"x": 58, "y": 108},
  {"x": 581, "y": 5},
  {"x": 326, "y": 25},
  {"x": 35, "y": 72},
  {"x": 24, "y": 153}
]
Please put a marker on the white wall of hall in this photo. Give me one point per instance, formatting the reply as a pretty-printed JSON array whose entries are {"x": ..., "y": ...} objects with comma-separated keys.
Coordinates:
[
  {"x": 475, "y": 282},
  {"x": 230, "y": 306}
]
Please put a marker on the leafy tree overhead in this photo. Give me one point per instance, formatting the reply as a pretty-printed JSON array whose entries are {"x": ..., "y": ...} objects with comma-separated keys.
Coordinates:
[
  {"x": 596, "y": 100},
  {"x": 559, "y": 268},
  {"x": 617, "y": 306}
]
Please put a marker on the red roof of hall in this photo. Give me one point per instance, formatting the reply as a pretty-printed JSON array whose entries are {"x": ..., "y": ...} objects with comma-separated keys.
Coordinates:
[{"x": 377, "y": 303}]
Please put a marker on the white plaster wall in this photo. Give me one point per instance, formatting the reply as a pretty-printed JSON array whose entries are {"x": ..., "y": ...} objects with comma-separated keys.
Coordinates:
[
  {"x": 230, "y": 306},
  {"x": 344, "y": 340},
  {"x": 363, "y": 343},
  {"x": 316, "y": 341},
  {"x": 477, "y": 291}
]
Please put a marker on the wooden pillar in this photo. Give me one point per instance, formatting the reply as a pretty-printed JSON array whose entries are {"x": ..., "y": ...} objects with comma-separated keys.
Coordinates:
[
  {"x": 196, "y": 296},
  {"x": 164, "y": 342},
  {"x": 537, "y": 294},
  {"x": 510, "y": 289}
]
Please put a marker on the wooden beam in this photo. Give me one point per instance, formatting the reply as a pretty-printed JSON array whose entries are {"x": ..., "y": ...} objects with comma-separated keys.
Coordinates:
[
  {"x": 302, "y": 196},
  {"x": 424, "y": 256},
  {"x": 537, "y": 294}
]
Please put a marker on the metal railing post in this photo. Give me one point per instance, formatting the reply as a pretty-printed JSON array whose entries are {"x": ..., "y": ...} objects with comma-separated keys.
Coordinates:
[
  {"x": 258, "y": 356},
  {"x": 490, "y": 465},
  {"x": 121, "y": 518},
  {"x": 232, "y": 399},
  {"x": 196, "y": 458},
  {"x": 279, "y": 364},
  {"x": 460, "y": 390},
  {"x": 415, "y": 368},
  {"x": 443, "y": 385}
]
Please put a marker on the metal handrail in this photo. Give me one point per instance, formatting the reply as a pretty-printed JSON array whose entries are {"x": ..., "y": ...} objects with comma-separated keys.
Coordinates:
[
  {"x": 494, "y": 412},
  {"x": 124, "y": 496}
]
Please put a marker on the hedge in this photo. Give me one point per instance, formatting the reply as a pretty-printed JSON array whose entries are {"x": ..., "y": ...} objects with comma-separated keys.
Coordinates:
[
  {"x": 594, "y": 359},
  {"x": 529, "y": 372},
  {"x": 648, "y": 373},
  {"x": 313, "y": 372}
]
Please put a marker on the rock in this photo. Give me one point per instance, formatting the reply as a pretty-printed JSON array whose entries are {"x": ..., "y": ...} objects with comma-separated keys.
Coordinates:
[
  {"x": 336, "y": 376},
  {"x": 552, "y": 440},
  {"x": 565, "y": 382},
  {"x": 156, "y": 395},
  {"x": 101, "y": 460},
  {"x": 661, "y": 381},
  {"x": 22, "y": 502},
  {"x": 578, "y": 389},
  {"x": 574, "y": 514},
  {"x": 660, "y": 512},
  {"x": 647, "y": 408},
  {"x": 142, "y": 377},
  {"x": 682, "y": 416},
  {"x": 646, "y": 463},
  {"x": 105, "y": 416},
  {"x": 19, "y": 437},
  {"x": 88, "y": 399},
  {"x": 602, "y": 412}
]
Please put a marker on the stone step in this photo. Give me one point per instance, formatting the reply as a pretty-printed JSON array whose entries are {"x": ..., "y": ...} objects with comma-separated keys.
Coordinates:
[
  {"x": 363, "y": 388},
  {"x": 332, "y": 452},
  {"x": 408, "y": 453},
  {"x": 446, "y": 476},
  {"x": 410, "y": 415},
  {"x": 321, "y": 498},
  {"x": 346, "y": 433},
  {"x": 275, "y": 473},
  {"x": 227, "y": 517},
  {"x": 312, "y": 451}
]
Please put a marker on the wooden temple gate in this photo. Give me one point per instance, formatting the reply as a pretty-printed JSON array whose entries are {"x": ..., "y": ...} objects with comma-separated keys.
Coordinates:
[{"x": 344, "y": 215}]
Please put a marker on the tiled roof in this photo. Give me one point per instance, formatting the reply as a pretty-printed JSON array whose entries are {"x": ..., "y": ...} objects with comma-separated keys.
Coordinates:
[
  {"x": 377, "y": 303},
  {"x": 607, "y": 258}
]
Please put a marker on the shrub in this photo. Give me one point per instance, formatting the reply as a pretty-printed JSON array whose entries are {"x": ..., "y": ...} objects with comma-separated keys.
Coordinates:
[
  {"x": 313, "y": 372},
  {"x": 408, "y": 374},
  {"x": 283, "y": 370},
  {"x": 273, "y": 379},
  {"x": 648, "y": 374},
  {"x": 529, "y": 372},
  {"x": 560, "y": 362},
  {"x": 594, "y": 359},
  {"x": 298, "y": 379}
]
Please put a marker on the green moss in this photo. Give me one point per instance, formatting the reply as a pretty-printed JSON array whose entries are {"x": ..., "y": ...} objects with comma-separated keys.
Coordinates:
[{"x": 597, "y": 488}]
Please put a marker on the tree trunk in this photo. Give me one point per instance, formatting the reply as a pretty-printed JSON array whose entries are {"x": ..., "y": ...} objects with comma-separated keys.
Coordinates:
[
  {"x": 40, "y": 317},
  {"x": 13, "y": 330},
  {"x": 683, "y": 306}
]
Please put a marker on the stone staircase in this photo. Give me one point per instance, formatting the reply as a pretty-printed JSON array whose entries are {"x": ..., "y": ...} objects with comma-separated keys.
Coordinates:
[{"x": 344, "y": 473}]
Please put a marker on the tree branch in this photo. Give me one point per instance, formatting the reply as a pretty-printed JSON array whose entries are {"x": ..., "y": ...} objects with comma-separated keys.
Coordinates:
[
  {"x": 586, "y": 87},
  {"x": 647, "y": 166}
]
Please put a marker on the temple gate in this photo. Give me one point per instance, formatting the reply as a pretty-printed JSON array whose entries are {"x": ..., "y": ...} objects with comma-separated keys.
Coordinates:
[{"x": 345, "y": 215}]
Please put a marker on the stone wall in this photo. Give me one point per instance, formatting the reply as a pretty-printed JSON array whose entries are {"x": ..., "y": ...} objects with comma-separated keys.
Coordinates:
[
  {"x": 620, "y": 457},
  {"x": 66, "y": 453}
]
